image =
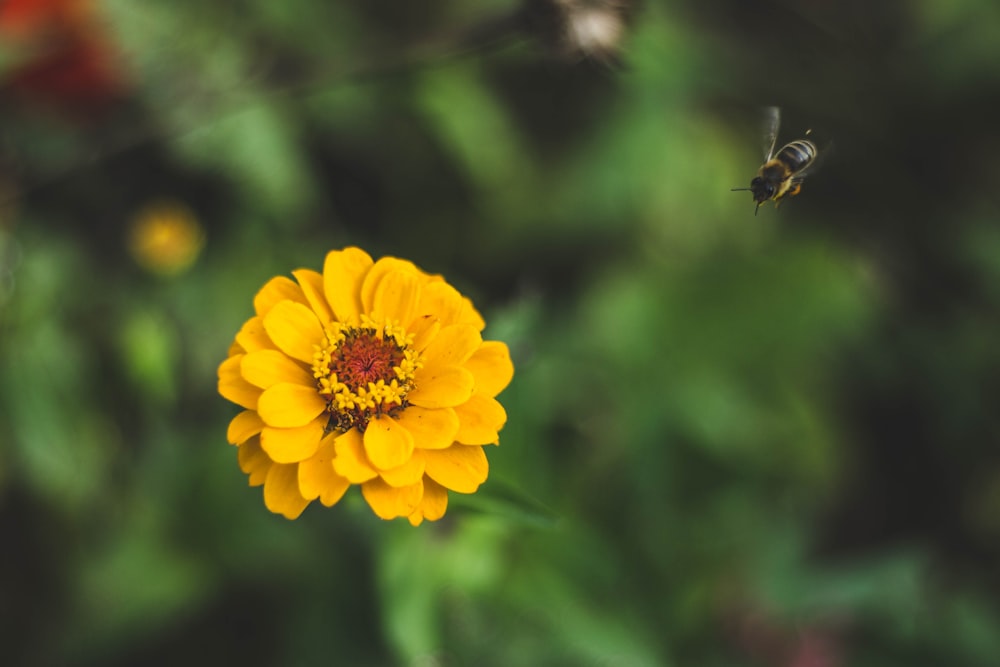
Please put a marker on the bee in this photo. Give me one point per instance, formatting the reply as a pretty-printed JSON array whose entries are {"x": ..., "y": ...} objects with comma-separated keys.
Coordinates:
[{"x": 781, "y": 174}]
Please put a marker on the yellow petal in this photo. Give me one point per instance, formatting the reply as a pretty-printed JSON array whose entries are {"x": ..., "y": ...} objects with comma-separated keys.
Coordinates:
[
  {"x": 492, "y": 367},
  {"x": 441, "y": 387},
  {"x": 254, "y": 461},
  {"x": 233, "y": 387},
  {"x": 482, "y": 418},
  {"x": 442, "y": 301},
  {"x": 266, "y": 368},
  {"x": 396, "y": 297},
  {"x": 389, "y": 502},
  {"x": 432, "y": 505},
  {"x": 243, "y": 427},
  {"x": 343, "y": 272},
  {"x": 448, "y": 305},
  {"x": 387, "y": 444},
  {"x": 289, "y": 405},
  {"x": 431, "y": 429},
  {"x": 469, "y": 315},
  {"x": 311, "y": 283},
  {"x": 252, "y": 336},
  {"x": 378, "y": 272},
  {"x": 291, "y": 445},
  {"x": 281, "y": 491},
  {"x": 294, "y": 329},
  {"x": 275, "y": 291},
  {"x": 452, "y": 346},
  {"x": 317, "y": 478},
  {"x": 351, "y": 462},
  {"x": 407, "y": 474},
  {"x": 460, "y": 468},
  {"x": 424, "y": 329}
]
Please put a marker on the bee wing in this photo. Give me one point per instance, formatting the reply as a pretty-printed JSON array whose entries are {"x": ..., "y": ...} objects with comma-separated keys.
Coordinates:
[{"x": 772, "y": 119}]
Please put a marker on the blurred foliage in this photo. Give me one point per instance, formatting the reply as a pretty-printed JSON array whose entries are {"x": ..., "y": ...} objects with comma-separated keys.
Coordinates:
[{"x": 731, "y": 439}]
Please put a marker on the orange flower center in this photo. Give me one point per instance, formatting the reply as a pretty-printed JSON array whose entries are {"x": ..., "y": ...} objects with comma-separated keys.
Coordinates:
[
  {"x": 363, "y": 372},
  {"x": 363, "y": 358}
]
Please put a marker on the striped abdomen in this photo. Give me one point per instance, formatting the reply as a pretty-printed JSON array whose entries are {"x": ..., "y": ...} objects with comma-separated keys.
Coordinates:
[{"x": 796, "y": 155}]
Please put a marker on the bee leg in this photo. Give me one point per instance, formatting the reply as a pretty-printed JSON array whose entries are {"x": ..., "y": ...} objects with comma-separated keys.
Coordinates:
[{"x": 794, "y": 190}]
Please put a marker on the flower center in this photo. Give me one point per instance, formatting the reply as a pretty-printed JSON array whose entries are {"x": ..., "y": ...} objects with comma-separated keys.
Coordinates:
[{"x": 364, "y": 372}]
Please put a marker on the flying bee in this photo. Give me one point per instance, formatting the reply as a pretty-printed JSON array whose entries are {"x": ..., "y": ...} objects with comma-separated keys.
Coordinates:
[{"x": 781, "y": 174}]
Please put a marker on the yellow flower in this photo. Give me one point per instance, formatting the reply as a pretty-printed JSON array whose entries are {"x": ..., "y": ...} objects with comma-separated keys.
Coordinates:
[
  {"x": 166, "y": 238},
  {"x": 371, "y": 373}
]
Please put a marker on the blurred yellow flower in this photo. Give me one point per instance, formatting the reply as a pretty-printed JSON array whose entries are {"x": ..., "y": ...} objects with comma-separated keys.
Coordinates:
[
  {"x": 371, "y": 373},
  {"x": 165, "y": 237}
]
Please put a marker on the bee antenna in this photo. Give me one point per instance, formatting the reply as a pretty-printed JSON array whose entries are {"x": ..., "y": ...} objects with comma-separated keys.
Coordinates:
[
  {"x": 755, "y": 209},
  {"x": 738, "y": 189}
]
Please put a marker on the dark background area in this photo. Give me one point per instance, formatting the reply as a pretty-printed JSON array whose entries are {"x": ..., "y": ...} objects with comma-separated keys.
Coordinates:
[{"x": 731, "y": 440}]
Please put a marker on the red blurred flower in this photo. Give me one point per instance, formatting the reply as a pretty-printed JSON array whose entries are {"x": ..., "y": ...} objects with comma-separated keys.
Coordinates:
[{"x": 61, "y": 58}]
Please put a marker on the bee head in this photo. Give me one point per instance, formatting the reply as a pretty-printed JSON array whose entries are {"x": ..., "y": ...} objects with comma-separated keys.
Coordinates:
[{"x": 762, "y": 189}]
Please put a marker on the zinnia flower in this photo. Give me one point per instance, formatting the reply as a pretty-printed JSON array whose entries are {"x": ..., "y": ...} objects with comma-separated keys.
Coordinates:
[{"x": 371, "y": 373}]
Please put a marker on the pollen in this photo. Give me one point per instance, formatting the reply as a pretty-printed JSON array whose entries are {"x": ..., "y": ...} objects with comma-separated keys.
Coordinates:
[{"x": 363, "y": 372}]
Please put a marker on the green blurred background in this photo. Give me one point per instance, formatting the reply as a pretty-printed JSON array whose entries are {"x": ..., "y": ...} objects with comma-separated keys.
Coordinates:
[{"x": 732, "y": 440}]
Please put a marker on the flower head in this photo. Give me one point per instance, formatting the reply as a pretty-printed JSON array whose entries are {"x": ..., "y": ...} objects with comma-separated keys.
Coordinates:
[
  {"x": 371, "y": 373},
  {"x": 165, "y": 237}
]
